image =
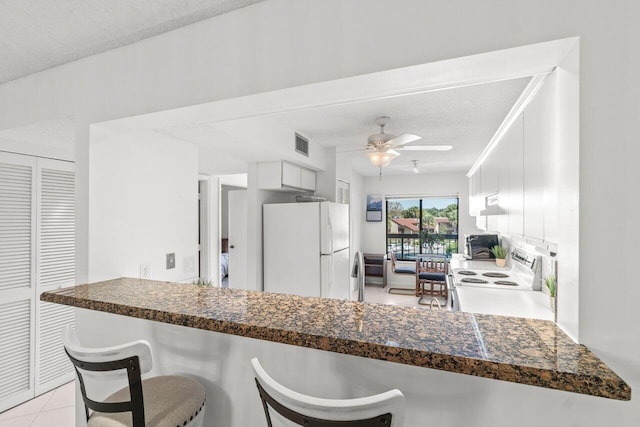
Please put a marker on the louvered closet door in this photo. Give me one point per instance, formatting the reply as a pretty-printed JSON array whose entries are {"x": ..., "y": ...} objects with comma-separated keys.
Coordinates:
[
  {"x": 56, "y": 269},
  {"x": 17, "y": 278}
]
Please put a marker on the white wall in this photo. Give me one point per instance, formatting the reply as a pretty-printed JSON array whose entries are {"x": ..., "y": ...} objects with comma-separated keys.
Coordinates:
[
  {"x": 193, "y": 65},
  {"x": 144, "y": 204},
  {"x": 440, "y": 184}
]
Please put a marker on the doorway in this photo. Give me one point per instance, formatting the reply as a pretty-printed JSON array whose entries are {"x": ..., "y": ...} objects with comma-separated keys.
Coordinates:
[{"x": 232, "y": 215}]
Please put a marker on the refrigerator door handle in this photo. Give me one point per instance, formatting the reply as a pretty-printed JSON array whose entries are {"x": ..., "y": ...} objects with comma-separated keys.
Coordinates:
[
  {"x": 330, "y": 279},
  {"x": 330, "y": 234}
]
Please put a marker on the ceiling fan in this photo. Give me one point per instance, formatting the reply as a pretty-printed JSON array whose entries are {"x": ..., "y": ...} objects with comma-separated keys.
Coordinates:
[{"x": 383, "y": 147}]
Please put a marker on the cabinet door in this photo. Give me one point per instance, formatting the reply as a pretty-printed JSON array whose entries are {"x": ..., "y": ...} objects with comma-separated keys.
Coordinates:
[
  {"x": 270, "y": 175},
  {"x": 516, "y": 178},
  {"x": 502, "y": 153},
  {"x": 489, "y": 177},
  {"x": 535, "y": 135},
  {"x": 307, "y": 179},
  {"x": 290, "y": 175},
  {"x": 550, "y": 164},
  {"x": 474, "y": 193}
]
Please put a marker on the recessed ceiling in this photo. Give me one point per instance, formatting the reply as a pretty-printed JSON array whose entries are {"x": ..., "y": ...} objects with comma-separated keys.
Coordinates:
[
  {"x": 464, "y": 117},
  {"x": 36, "y": 35}
]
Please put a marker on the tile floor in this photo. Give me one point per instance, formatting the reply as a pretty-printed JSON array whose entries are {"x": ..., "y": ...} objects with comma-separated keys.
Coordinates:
[
  {"x": 53, "y": 409},
  {"x": 378, "y": 294}
]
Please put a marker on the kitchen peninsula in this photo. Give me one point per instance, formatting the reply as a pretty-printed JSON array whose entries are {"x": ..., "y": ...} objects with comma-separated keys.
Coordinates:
[{"x": 206, "y": 332}]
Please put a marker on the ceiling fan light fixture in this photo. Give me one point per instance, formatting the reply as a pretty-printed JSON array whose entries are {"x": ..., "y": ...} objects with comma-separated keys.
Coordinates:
[{"x": 381, "y": 159}]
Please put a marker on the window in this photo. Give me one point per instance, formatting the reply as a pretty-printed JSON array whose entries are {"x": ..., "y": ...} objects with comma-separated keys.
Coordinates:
[{"x": 422, "y": 225}]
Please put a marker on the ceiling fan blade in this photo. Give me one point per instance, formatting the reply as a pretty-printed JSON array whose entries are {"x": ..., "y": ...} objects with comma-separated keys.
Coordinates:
[
  {"x": 426, "y": 148},
  {"x": 393, "y": 152},
  {"x": 403, "y": 139}
]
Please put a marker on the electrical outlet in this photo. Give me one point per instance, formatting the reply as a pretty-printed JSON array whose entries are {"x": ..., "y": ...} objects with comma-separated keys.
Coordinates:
[
  {"x": 145, "y": 271},
  {"x": 171, "y": 261}
]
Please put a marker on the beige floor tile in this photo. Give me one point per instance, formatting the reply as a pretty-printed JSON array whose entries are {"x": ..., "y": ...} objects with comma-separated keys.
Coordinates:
[
  {"x": 23, "y": 421},
  {"x": 32, "y": 406},
  {"x": 64, "y": 417},
  {"x": 62, "y": 397},
  {"x": 381, "y": 295}
]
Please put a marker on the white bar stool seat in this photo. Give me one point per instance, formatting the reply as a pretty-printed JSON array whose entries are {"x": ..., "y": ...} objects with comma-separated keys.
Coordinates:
[
  {"x": 161, "y": 401},
  {"x": 384, "y": 409}
]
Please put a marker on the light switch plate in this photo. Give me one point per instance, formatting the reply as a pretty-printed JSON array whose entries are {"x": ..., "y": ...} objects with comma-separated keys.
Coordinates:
[
  {"x": 171, "y": 261},
  {"x": 145, "y": 270}
]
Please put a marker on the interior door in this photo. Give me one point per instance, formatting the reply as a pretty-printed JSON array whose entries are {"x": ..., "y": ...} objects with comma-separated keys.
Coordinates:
[{"x": 238, "y": 239}]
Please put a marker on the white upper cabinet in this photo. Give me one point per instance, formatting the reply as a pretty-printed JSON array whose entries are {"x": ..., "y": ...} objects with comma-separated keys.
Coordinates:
[
  {"x": 540, "y": 179},
  {"x": 474, "y": 193},
  {"x": 550, "y": 164},
  {"x": 476, "y": 199},
  {"x": 534, "y": 135},
  {"x": 285, "y": 176},
  {"x": 522, "y": 171},
  {"x": 502, "y": 154},
  {"x": 489, "y": 180},
  {"x": 516, "y": 177},
  {"x": 307, "y": 179},
  {"x": 290, "y": 175}
]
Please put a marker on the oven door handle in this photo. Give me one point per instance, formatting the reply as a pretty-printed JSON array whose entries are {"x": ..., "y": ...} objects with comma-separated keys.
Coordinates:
[{"x": 452, "y": 294}]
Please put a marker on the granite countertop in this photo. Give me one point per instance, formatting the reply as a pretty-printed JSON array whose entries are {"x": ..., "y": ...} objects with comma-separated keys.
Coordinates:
[{"x": 527, "y": 351}]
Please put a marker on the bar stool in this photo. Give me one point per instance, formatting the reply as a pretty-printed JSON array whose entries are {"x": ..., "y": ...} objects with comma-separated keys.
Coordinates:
[
  {"x": 384, "y": 409},
  {"x": 162, "y": 401}
]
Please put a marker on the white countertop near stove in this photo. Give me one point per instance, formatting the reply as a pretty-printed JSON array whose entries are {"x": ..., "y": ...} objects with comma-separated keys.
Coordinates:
[{"x": 528, "y": 304}]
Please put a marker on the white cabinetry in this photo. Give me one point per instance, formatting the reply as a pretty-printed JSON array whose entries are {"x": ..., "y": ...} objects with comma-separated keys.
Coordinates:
[
  {"x": 515, "y": 148},
  {"x": 37, "y": 231},
  {"x": 476, "y": 199},
  {"x": 522, "y": 170},
  {"x": 285, "y": 176},
  {"x": 502, "y": 154},
  {"x": 533, "y": 172},
  {"x": 540, "y": 177}
]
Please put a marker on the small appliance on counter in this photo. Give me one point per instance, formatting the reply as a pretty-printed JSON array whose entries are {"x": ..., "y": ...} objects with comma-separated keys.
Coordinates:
[{"x": 478, "y": 246}]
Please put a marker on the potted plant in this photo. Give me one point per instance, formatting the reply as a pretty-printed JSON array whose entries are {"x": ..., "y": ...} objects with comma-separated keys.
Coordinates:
[
  {"x": 550, "y": 282},
  {"x": 501, "y": 255}
]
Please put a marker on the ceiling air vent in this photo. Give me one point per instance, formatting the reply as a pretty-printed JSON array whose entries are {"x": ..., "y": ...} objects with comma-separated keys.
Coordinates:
[{"x": 302, "y": 145}]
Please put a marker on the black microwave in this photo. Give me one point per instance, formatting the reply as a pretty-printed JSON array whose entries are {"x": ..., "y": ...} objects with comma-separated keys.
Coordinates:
[{"x": 478, "y": 246}]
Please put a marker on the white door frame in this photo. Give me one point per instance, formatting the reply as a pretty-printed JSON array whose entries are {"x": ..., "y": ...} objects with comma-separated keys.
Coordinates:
[{"x": 204, "y": 225}]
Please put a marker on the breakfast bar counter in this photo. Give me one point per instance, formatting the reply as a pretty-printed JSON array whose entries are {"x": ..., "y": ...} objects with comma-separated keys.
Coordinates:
[{"x": 525, "y": 351}]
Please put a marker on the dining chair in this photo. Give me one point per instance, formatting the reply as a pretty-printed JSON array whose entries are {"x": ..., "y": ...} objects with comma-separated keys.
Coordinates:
[{"x": 431, "y": 270}]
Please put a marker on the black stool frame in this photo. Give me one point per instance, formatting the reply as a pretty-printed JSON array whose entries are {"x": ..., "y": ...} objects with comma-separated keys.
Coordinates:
[
  {"x": 303, "y": 420},
  {"x": 135, "y": 405}
]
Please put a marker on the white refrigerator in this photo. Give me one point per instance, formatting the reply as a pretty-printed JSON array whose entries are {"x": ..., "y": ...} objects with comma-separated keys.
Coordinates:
[{"x": 306, "y": 249}]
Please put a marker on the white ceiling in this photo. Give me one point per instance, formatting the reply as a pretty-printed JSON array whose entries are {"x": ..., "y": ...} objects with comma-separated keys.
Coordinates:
[
  {"x": 464, "y": 117},
  {"x": 40, "y": 34}
]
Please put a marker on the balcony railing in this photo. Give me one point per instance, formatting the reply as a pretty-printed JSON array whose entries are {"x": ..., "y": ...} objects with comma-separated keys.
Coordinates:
[{"x": 407, "y": 246}]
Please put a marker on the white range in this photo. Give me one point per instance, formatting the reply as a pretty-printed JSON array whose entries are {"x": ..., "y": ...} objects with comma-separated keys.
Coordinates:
[{"x": 481, "y": 287}]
